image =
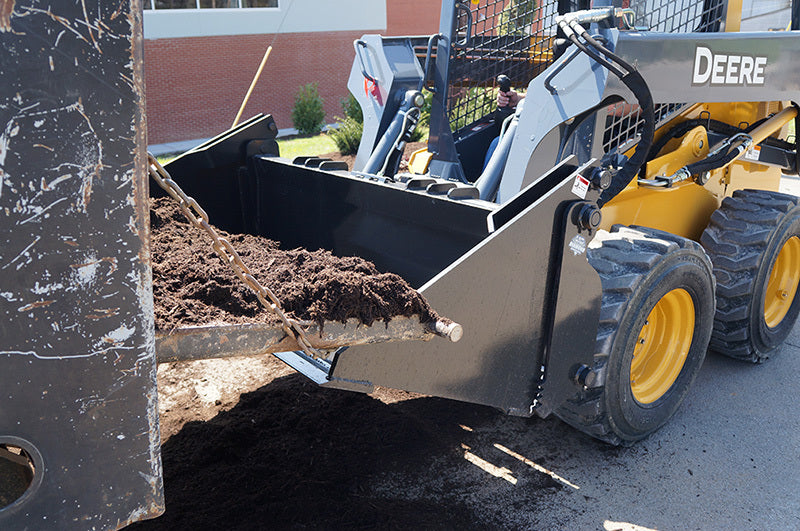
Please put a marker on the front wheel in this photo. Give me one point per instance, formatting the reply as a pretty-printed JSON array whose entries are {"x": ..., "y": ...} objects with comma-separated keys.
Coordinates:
[{"x": 655, "y": 323}]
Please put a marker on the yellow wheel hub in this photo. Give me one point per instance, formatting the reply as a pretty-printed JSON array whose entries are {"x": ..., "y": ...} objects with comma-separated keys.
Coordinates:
[
  {"x": 782, "y": 284},
  {"x": 662, "y": 346}
]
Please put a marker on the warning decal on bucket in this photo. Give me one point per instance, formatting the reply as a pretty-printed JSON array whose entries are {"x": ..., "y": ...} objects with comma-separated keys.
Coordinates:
[{"x": 581, "y": 186}]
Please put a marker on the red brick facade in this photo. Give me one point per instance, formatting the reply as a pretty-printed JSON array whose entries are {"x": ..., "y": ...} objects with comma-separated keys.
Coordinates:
[
  {"x": 195, "y": 85},
  {"x": 412, "y": 17}
]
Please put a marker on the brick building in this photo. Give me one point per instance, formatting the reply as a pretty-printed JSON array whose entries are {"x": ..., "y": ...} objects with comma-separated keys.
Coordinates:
[{"x": 200, "y": 60}]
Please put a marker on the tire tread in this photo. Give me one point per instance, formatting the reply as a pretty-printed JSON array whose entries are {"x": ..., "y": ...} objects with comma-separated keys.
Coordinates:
[
  {"x": 736, "y": 239},
  {"x": 623, "y": 260}
]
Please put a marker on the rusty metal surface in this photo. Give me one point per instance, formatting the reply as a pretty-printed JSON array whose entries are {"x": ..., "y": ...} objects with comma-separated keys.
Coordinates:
[
  {"x": 77, "y": 345},
  {"x": 205, "y": 342}
]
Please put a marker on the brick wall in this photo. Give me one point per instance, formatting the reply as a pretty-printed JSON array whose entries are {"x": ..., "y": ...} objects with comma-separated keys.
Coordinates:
[
  {"x": 412, "y": 17},
  {"x": 194, "y": 85}
]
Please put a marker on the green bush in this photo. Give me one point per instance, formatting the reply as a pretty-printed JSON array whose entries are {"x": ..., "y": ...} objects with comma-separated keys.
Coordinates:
[
  {"x": 419, "y": 134},
  {"x": 517, "y": 17},
  {"x": 352, "y": 109},
  {"x": 474, "y": 102},
  {"x": 349, "y": 129},
  {"x": 308, "y": 115},
  {"x": 347, "y": 135},
  {"x": 425, "y": 111}
]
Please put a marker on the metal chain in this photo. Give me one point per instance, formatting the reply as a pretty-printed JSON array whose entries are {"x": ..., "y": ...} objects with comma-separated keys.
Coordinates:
[{"x": 198, "y": 217}]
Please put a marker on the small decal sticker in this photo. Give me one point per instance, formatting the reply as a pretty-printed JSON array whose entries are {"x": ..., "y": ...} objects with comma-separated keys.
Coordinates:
[
  {"x": 754, "y": 153},
  {"x": 581, "y": 186},
  {"x": 577, "y": 245}
]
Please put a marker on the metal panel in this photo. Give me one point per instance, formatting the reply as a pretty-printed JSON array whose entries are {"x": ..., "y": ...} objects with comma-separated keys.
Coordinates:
[
  {"x": 77, "y": 358},
  {"x": 575, "y": 316},
  {"x": 391, "y": 63},
  {"x": 499, "y": 292},
  {"x": 666, "y": 62}
]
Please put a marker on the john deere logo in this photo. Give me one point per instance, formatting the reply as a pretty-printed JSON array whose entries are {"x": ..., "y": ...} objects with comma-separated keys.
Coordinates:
[{"x": 727, "y": 69}]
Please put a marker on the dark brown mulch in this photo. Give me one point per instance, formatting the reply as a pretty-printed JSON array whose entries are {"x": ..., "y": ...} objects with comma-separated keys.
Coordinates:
[
  {"x": 292, "y": 455},
  {"x": 191, "y": 284}
]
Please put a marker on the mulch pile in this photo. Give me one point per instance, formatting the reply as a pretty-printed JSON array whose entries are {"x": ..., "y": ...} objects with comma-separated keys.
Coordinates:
[
  {"x": 293, "y": 455},
  {"x": 192, "y": 285}
]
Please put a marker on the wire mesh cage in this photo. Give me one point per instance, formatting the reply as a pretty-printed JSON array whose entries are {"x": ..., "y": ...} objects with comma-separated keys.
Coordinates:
[
  {"x": 516, "y": 37},
  {"x": 511, "y": 37},
  {"x": 623, "y": 121},
  {"x": 678, "y": 16}
]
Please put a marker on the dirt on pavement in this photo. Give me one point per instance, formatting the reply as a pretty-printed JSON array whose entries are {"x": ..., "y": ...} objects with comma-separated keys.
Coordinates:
[{"x": 288, "y": 454}]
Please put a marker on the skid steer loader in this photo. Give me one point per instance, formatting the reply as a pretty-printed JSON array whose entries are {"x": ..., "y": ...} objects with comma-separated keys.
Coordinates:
[{"x": 627, "y": 220}]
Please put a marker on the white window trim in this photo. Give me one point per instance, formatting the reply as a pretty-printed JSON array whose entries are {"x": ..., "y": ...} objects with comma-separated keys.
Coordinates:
[
  {"x": 152, "y": 4},
  {"x": 292, "y": 16}
]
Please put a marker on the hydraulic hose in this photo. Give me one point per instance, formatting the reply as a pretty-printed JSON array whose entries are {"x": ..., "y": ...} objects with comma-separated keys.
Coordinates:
[
  {"x": 564, "y": 24},
  {"x": 630, "y": 77},
  {"x": 636, "y": 83},
  {"x": 712, "y": 164}
]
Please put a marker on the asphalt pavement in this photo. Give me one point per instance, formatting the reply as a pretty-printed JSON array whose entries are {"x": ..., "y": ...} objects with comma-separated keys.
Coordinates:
[{"x": 728, "y": 460}]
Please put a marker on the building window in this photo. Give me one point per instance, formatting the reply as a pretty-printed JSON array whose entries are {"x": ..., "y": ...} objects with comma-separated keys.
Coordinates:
[{"x": 208, "y": 4}]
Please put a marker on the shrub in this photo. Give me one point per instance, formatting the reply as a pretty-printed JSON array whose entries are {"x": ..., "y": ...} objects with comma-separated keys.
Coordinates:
[
  {"x": 347, "y": 135},
  {"x": 419, "y": 134},
  {"x": 352, "y": 109},
  {"x": 472, "y": 106},
  {"x": 308, "y": 115},
  {"x": 425, "y": 111},
  {"x": 517, "y": 17}
]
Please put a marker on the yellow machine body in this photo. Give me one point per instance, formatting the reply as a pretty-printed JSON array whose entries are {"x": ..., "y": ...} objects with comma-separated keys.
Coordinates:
[{"x": 685, "y": 209}]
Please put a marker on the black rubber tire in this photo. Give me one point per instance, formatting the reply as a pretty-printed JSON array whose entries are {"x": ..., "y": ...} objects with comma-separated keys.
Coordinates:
[
  {"x": 637, "y": 267},
  {"x": 743, "y": 240}
]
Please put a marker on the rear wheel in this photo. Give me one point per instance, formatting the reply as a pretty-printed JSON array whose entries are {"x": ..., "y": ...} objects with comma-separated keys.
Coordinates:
[
  {"x": 754, "y": 243},
  {"x": 655, "y": 323}
]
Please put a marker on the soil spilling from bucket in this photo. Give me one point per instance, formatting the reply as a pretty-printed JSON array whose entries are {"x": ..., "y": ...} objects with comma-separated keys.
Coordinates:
[{"x": 193, "y": 286}]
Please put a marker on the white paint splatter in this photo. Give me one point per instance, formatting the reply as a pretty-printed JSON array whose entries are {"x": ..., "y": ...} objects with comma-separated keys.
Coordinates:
[
  {"x": 23, "y": 253},
  {"x": 87, "y": 272},
  {"x": 120, "y": 334},
  {"x": 46, "y": 289}
]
